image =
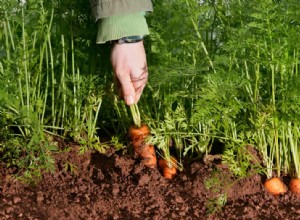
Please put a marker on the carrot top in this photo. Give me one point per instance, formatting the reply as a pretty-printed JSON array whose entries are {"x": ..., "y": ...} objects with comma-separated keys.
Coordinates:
[{"x": 135, "y": 115}]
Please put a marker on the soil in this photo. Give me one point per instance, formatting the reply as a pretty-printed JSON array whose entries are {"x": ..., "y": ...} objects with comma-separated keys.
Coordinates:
[{"x": 118, "y": 186}]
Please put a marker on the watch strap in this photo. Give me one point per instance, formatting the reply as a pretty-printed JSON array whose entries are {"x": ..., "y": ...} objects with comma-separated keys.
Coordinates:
[{"x": 129, "y": 39}]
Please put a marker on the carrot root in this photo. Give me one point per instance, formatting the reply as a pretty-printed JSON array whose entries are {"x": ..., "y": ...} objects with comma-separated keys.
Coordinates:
[
  {"x": 148, "y": 156},
  {"x": 168, "y": 170},
  {"x": 138, "y": 133},
  {"x": 145, "y": 151},
  {"x": 295, "y": 186},
  {"x": 275, "y": 186}
]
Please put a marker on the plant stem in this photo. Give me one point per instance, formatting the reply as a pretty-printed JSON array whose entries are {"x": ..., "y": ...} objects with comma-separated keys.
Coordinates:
[
  {"x": 53, "y": 82},
  {"x": 200, "y": 38},
  {"x": 27, "y": 78},
  {"x": 135, "y": 114},
  {"x": 293, "y": 139},
  {"x": 62, "y": 81}
]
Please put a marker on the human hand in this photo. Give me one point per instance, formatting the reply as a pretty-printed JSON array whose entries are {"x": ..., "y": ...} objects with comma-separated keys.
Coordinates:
[{"x": 130, "y": 68}]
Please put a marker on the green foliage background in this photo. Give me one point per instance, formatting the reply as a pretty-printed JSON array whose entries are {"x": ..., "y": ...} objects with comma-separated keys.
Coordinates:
[{"x": 225, "y": 71}]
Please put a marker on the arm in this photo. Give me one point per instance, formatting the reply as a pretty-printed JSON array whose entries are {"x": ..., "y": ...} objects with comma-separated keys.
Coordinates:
[{"x": 128, "y": 59}]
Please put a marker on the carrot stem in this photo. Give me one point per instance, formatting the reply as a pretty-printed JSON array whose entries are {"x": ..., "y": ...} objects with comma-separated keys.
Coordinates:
[{"x": 135, "y": 114}]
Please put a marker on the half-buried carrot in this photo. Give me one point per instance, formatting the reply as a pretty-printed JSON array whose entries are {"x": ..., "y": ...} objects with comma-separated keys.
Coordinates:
[
  {"x": 295, "y": 186},
  {"x": 138, "y": 133},
  {"x": 275, "y": 186},
  {"x": 143, "y": 150},
  {"x": 148, "y": 156},
  {"x": 167, "y": 168}
]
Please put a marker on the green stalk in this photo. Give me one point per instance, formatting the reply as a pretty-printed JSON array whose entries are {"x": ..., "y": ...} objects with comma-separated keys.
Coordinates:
[
  {"x": 20, "y": 87},
  {"x": 275, "y": 120},
  {"x": 43, "y": 50},
  {"x": 8, "y": 36},
  {"x": 248, "y": 85},
  {"x": 53, "y": 110},
  {"x": 293, "y": 139},
  {"x": 77, "y": 81},
  {"x": 36, "y": 74},
  {"x": 74, "y": 84},
  {"x": 257, "y": 78},
  {"x": 62, "y": 86},
  {"x": 7, "y": 48},
  {"x": 97, "y": 113},
  {"x": 27, "y": 77},
  {"x": 283, "y": 149},
  {"x": 10, "y": 33},
  {"x": 46, "y": 86},
  {"x": 269, "y": 155},
  {"x": 200, "y": 37},
  {"x": 135, "y": 114}
]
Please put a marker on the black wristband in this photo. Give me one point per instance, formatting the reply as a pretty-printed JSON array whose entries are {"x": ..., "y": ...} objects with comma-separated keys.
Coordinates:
[{"x": 128, "y": 40}]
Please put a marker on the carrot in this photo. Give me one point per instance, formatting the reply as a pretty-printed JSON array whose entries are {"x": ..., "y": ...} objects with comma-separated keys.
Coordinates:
[
  {"x": 143, "y": 150},
  {"x": 295, "y": 186},
  {"x": 275, "y": 186},
  {"x": 149, "y": 156},
  {"x": 138, "y": 133},
  {"x": 167, "y": 168}
]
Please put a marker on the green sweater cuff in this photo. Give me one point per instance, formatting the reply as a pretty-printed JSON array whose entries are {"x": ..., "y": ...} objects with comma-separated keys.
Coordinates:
[{"x": 118, "y": 26}]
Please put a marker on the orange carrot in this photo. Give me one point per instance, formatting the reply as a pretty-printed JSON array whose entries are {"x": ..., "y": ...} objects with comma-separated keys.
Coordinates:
[
  {"x": 275, "y": 186},
  {"x": 149, "y": 156},
  {"x": 168, "y": 170},
  {"x": 143, "y": 150},
  {"x": 138, "y": 133},
  {"x": 295, "y": 186}
]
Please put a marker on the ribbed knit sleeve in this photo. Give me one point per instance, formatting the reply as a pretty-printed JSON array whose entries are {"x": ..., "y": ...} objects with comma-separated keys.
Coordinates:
[
  {"x": 118, "y": 26},
  {"x": 107, "y": 8}
]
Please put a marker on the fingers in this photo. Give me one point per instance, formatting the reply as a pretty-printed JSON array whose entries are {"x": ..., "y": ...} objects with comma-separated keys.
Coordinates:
[
  {"x": 131, "y": 86},
  {"x": 127, "y": 88},
  {"x": 130, "y": 68},
  {"x": 140, "y": 81}
]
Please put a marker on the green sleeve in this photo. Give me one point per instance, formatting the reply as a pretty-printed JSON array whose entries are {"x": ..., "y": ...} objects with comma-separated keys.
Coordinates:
[
  {"x": 105, "y": 8},
  {"x": 118, "y": 26}
]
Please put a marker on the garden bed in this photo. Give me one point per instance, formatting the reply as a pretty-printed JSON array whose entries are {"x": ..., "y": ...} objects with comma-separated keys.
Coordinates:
[{"x": 116, "y": 186}]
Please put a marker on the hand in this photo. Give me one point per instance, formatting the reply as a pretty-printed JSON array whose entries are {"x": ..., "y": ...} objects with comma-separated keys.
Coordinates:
[{"x": 130, "y": 68}]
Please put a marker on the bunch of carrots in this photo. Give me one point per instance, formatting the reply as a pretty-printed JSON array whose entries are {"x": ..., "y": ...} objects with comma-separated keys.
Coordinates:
[
  {"x": 276, "y": 186},
  {"x": 138, "y": 133}
]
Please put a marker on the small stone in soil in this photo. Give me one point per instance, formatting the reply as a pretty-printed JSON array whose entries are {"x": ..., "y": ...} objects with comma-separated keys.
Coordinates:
[
  {"x": 17, "y": 199},
  {"x": 179, "y": 199},
  {"x": 39, "y": 197},
  {"x": 9, "y": 210},
  {"x": 115, "y": 191}
]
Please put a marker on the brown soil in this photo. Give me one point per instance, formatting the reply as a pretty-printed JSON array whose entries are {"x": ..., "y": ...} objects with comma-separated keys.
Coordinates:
[{"x": 115, "y": 186}]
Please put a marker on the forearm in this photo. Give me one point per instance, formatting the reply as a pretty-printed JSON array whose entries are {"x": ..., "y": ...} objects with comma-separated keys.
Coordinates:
[{"x": 118, "y": 19}]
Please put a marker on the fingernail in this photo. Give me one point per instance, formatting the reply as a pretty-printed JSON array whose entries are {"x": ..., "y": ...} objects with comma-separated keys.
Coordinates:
[{"x": 129, "y": 100}]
